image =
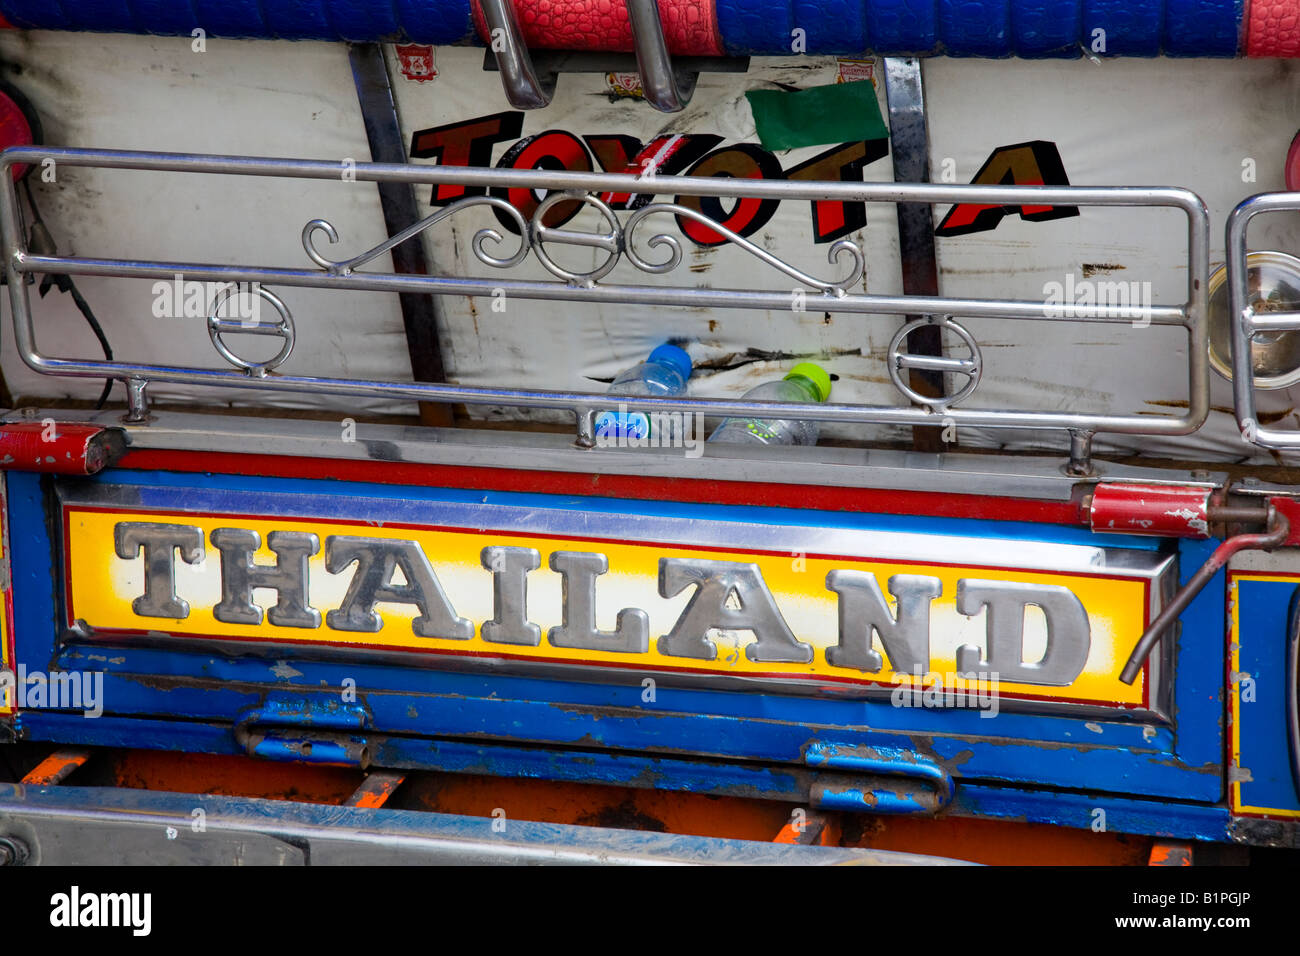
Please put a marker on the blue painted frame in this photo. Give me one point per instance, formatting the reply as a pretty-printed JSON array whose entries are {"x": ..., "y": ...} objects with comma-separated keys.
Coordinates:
[
  {"x": 1262, "y": 610},
  {"x": 1182, "y": 762}
]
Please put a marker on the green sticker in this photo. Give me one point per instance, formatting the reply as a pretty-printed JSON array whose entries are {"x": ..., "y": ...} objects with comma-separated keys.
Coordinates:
[{"x": 838, "y": 113}]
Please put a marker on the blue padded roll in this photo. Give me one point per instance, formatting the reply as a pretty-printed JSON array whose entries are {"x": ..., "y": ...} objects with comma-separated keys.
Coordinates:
[
  {"x": 985, "y": 28},
  {"x": 1131, "y": 29},
  {"x": 229, "y": 18},
  {"x": 832, "y": 26},
  {"x": 903, "y": 27},
  {"x": 109, "y": 16},
  {"x": 44, "y": 16},
  {"x": 1047, "y": 29},
  {"x": 166, "y": 17},
  {"x": 1203, "y": 27},
  {"x": 447, "y": 21},
  {"x": 361, "y": 21},
  {"x": 299, "y": 20},
  {"x": 975, "y": 27},
  {"x": 981, "y": 28},
  {"x": 758, "y": 26},
  {"x": 420, "y": 21}
]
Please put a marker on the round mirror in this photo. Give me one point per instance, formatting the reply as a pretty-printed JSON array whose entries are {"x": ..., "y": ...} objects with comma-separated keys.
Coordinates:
[{"x": 1273, "y": 284}]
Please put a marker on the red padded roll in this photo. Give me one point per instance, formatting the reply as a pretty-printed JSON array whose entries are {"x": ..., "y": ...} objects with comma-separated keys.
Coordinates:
[
  {"x": 690, "y": 27},
  {"x": 1273, "y": 28}
]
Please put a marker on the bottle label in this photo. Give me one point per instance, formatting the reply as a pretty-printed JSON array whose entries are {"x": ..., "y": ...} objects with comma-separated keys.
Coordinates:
[{"x": 612, "y": 426}]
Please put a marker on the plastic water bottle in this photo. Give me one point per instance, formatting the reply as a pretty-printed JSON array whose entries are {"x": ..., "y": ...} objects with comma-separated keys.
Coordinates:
[
  {"x": 806, "y": 382},
  {"x": 662, "y": 375}
]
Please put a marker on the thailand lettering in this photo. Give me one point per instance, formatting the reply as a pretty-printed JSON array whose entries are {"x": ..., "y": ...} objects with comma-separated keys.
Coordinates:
[{"x": 724, "y": 596}]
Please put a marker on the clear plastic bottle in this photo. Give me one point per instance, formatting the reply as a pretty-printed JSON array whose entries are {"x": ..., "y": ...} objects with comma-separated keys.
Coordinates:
[
  {"x": 663, "y": 374},
  {"x": 806, "y": 382}
]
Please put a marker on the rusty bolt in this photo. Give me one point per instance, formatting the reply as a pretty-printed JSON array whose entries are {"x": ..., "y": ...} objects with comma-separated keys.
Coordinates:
[{"x": 13, "y": 852}]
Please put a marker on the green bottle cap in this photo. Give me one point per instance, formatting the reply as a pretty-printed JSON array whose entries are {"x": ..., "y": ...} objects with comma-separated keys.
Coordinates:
[{"x": 815, "y": 374}]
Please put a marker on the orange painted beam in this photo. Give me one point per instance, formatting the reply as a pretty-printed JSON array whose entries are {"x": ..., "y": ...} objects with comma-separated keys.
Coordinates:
[
  {"x": 55, "y": 768},
  {"x": 1170, "y": 853},
  {"x": 376, "y": 789},
  {"x": 810, "y": 828}
]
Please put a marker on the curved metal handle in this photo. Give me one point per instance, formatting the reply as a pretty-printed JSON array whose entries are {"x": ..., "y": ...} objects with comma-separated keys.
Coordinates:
[
  {"x": 1279, "y": 530},
  {"x": 305, "y": 730},
  {"x": 659, "y": 83},
  {"x": 519, "y": 77},
  {"x": 923, "y": 786}
]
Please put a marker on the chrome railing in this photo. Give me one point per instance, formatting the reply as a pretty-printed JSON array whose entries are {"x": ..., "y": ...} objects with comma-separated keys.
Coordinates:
[
  {"x": 1246, "y": 324},
  {"x": 662, "y": 86},
  {"x": 618, "y": 241}
]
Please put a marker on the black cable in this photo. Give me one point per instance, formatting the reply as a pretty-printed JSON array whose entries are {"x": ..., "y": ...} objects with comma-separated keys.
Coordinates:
[{"x": 66, "y": 284}]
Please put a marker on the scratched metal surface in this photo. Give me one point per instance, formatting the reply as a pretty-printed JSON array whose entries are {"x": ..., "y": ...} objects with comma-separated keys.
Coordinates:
[{"x": 61, "y": 826}]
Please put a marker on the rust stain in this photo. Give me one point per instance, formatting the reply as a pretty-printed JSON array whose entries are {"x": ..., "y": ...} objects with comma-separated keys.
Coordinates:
[
  {"x": 750, "y": 356},
  {"x": 1093, "y": 268}
]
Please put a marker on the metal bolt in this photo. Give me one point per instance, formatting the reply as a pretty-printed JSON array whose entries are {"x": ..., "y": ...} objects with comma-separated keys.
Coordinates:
[{"x": 12, "y": 851}]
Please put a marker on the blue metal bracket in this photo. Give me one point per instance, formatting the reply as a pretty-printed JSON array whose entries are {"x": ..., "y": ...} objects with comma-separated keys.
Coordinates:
[
  {"x": 895, "y": 780},
  {"x": 306, "y": 729}
]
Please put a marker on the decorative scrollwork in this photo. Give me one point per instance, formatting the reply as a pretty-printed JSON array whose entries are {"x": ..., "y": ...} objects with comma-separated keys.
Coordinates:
[
  {"x": 616, "y": 242},
  {"x": 838, "y": 249},
  {"x": 346, "y": 266}
]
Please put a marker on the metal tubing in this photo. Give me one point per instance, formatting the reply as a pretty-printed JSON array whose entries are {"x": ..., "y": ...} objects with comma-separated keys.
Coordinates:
[
  {"x": 658, "y": 81},
  {"x": 596, "y": 294},
  {"x": 1279, "y": 529},
  {"x": 506, "y": 40},
  {"x": 1246, "y": 324},
  {"x": 540, "y": 179},
  {"x": 20, "y": 262}
]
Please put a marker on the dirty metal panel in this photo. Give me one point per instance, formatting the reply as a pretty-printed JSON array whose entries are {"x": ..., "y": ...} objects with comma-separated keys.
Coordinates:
[
  {"x": 115, "y": 827},
  {"x": 173, "y": 676}
]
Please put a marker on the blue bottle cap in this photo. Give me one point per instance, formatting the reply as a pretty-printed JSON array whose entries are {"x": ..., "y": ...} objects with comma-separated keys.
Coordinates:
[{"x": 674, "y": 356}]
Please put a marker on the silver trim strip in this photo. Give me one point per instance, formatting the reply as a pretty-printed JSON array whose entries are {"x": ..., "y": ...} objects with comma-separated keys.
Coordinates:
[{"x": 1019, "y": 476}]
